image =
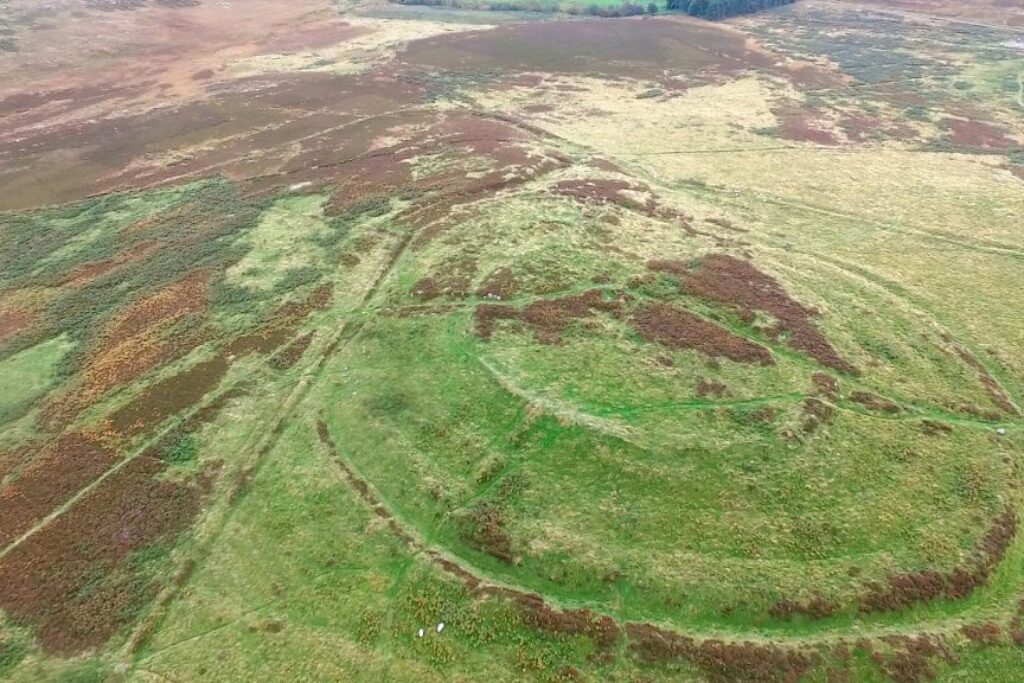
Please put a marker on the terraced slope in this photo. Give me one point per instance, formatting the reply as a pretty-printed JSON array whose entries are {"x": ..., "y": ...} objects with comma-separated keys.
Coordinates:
[{"x": 626, "y": 349}]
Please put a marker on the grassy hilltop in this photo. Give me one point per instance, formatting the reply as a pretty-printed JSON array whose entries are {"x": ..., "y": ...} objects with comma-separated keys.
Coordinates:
[{"x": 636, "y": 349}]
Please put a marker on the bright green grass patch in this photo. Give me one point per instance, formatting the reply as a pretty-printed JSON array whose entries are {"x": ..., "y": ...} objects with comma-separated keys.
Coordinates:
[
  {"x": 284, "y": 240},
  {"x": 29, "y": 374},
  {"x": 306, "y": 583},
  {"x": 683, "y": 507},
  {"x": 11, "y": 653}
]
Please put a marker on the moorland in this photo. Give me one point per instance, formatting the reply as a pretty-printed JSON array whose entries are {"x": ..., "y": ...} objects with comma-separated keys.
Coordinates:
[{"x": 629, "y": 349}]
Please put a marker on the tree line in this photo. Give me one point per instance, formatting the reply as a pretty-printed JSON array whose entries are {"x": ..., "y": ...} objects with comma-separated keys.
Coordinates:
[
  {"x": 705, "y": 9},
  {"x": 626, "y": 9},
  {"x": 720, "y": 9}
]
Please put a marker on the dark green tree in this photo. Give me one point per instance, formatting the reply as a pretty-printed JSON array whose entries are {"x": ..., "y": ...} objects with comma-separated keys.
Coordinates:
[{"x": 697, "y": 8}]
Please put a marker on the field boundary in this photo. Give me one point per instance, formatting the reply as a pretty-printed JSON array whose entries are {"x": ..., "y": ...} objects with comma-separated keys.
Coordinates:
[
  {"x": 262, "y": 444},
  {"x": 483, "y": 584}
]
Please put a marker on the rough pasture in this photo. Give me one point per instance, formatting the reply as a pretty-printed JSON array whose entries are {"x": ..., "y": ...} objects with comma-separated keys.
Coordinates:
[
  {"x": 629, "y": 350},
  {"x": 993, "y": 11}
]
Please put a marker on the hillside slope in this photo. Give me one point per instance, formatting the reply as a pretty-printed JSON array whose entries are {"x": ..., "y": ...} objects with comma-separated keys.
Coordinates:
[{"x": 597, "y": 349}]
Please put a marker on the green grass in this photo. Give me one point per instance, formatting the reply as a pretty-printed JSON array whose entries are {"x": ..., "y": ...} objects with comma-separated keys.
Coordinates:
[
  {"x": 283, "y": 241},
  {"x": 592, "y": 471},
  {"x": 599, "y": 488},
  {"x": 29, "y": 374},
  {"x": 307, "y": 584}
]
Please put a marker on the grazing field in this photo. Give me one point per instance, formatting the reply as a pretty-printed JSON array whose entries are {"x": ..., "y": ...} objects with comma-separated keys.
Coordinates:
[{"x": 354, "y": 341}]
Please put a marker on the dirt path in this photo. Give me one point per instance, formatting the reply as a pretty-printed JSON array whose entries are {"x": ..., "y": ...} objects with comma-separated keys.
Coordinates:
[
  {"x": 114, "y": 469},
  {"x": 261, "y": 444},
  {"x": 258, "y": 446},
  {"x": 973, "y": 243}
]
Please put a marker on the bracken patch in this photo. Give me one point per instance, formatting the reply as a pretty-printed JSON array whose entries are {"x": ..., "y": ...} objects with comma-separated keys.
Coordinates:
[
  {"x": 291, "y": 354},
  {"x": 605, "y": 190},
  {"x": 708, "y": 388},
  {"x": 677, "y": 328},
  {"x": 569, "y": 673},
  {"x": 816, "y": 413},
  {"x": 874, "y": 402},
  {"x": 986, "y": 633},
  {"x": 1017, "y": 625},
  {"x": 721, "y": 662},
  {"x": 994, "y": 389},
  {"x": 484, "y": 529},
  {"x": 814, "y": 608},
  {"x": 827, "y": 385},
  {"x": 13, "y": 321},
  {"x": 738, "y": 284},
  {"x": 725, "y": 224},
  {"x": 117, "y": 364},
  {"x": 577, "y": 622},
  {"x": 935, "y": 428},
  {"x": 61, "y": 470},
  {"x": 612, "y": 191},
  {"x": 169, "y": 396},
  {"x": 903, "y": 590},
  {"x": 500, "y": 284},
  {"x": 548, "y": 318},
  {"x": 418, "y": 310},
  {"x": 264, "y": 340},
  {"x": 452, "y": 280},
  {"x": 912, "y": 658},
  {"x": 75, "y": 580},
  {"x": 134, "y": 342}
]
